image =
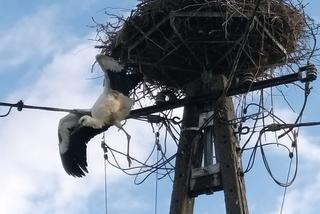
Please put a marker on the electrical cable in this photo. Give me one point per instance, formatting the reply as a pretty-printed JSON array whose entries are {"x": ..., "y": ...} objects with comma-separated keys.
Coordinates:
[
  {"x": 306, "y": 94},
  {"x": 6, "y": 114},
  {"x": 285, "y": 188},
  {"x": 157, "y": 174},
  {"x": 265, "y": 161},
  {"x": 105, "y": 157},
  {"x": 145, "y": 168},
  {"x": 20, "y": 105}
]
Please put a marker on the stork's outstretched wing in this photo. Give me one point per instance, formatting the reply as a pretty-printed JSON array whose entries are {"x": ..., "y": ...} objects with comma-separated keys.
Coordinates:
[
  {"x": 73, "y": 139},
  {"x": 124, "y": 83},
  {"x": 117, "y": 76}
]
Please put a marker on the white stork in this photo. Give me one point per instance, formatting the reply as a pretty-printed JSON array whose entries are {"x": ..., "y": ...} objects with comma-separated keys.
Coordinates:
[{"x": 113, "y": 105}]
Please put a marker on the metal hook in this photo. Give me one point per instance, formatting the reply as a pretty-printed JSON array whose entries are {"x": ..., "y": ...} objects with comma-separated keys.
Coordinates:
[
  {"x": 242, "y": 130},
  {"x": 176, "y": 120}
]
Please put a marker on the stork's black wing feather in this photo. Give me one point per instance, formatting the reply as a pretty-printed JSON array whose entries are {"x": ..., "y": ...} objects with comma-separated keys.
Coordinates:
[
  {"x": 123, "y": 82},
  {"x": 73, "y": 139},
  {"x": 74, "y": 160}
]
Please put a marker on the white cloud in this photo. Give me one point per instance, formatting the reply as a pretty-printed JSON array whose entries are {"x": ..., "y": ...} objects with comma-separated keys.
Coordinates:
[
  {"x": 32, "y": 38},
  {"x": 32, "y": 179},
  {"x": 302, "y": 199},
  {"x": 32, "y": 172},
  {"x": 302, "y": 196}
]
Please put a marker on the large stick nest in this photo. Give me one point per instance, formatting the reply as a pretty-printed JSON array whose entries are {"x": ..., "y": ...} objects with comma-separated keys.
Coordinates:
[{"x": 176, "y": 42}]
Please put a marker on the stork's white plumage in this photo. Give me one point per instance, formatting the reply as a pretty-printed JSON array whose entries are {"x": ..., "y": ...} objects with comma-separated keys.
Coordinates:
[{"x": 112, "y": 106}]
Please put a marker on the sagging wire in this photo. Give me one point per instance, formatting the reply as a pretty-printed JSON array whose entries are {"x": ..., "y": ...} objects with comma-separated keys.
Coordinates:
[
  {"x": 299, "y": 118},
  {"x": 288, "y": 175},
  {"x": 291, "y": 155},
  {"x": 256, "y": 119},
  {"x": 245, "y": 110},
  {"x": 260, "y": 145},
  {"x": 270, "y": 113},
  {"x": 277, "y": 125},
  {"x": 163, "y": 166},
  {"x": 277, "y": 122},
  {"x": 155, "y": 147},
  {"x": 158, "y": 147},
  {"x": 147, "y": 168}
]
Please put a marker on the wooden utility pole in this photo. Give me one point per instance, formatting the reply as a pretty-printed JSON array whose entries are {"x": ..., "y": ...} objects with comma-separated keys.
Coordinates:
[
  {"x": 228, "y": 156},
  {"x": 189, "y": 156},
  {"x": 181, "y": 202}
]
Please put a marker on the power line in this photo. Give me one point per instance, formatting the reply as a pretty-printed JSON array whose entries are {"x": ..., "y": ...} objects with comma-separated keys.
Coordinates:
[
  {"x": 105, "y": 157},
  {"x": 20, "y": 106},
  {"x": 310, "y": 75}
]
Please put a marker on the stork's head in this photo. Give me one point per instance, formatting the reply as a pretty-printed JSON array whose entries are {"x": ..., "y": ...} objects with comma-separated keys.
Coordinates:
[
  {"x": 88, "y": 121},
  {"x": 84, "y": 120}
]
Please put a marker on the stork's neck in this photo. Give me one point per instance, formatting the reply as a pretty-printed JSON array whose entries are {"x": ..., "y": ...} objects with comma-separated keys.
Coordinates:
[{"x": 106, "y": 83}]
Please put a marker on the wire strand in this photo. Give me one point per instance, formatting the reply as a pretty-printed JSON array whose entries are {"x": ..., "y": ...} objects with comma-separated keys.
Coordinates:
[
  {"x": 105, "y": 157},
  {"x": 285, "y": 188}
]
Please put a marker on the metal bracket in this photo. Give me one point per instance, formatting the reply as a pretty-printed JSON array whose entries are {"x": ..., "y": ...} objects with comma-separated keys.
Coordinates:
[
  {"x": 203, "y": 117},
  {"x": 205, "y": 180}
]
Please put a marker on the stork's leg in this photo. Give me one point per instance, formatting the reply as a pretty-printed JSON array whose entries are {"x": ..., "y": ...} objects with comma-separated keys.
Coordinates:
[{"x": 118, "y": 124}]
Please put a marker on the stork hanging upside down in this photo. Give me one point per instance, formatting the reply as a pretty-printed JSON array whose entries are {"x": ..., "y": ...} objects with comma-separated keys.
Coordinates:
[{"x": 112, "y": 106}]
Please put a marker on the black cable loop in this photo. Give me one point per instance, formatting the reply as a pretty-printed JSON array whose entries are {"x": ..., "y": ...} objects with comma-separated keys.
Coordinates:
[{"x": 260, "y": 145}]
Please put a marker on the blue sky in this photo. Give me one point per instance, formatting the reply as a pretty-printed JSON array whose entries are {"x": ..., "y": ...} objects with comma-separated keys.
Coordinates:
[{"x": 46, "y": 55}]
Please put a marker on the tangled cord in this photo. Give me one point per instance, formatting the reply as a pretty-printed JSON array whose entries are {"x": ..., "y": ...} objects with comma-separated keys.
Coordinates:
[{"x": 292, "y": 152}]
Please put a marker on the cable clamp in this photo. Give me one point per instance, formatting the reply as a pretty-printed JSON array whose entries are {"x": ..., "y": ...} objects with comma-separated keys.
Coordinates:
[
  {"x": 308, "y": 73},
  {"x": 20, "y": 105}
]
